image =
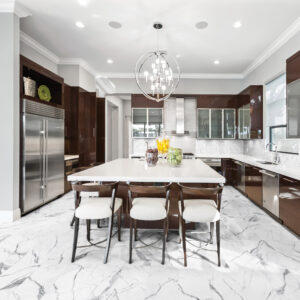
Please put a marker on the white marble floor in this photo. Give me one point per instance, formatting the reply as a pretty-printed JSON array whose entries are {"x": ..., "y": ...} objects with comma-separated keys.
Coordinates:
[{"x": 260, "y": 260}]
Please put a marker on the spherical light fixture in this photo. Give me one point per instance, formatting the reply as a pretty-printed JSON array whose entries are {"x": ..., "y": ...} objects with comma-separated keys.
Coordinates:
[{"x": 157, "y": 74}]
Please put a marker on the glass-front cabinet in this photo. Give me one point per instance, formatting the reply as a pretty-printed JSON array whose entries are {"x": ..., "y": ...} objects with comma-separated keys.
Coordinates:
[
  {"x": 147, "y": 122},
  {"x": 216, "y": 123},
  {"x": 244, "y": 122}
]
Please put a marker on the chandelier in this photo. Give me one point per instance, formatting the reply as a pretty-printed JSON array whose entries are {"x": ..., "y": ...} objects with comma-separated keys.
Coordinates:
[{"x": 157, "y": 74}]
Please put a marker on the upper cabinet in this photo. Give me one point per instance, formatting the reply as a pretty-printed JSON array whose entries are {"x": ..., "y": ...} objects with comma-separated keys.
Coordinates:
[
  {"x": 250, "y": 113},
  {"x": 293, "y": 96}
]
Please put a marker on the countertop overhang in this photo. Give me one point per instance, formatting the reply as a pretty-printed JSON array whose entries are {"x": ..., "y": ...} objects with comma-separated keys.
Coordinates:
[{"x": 134, "y": 170}]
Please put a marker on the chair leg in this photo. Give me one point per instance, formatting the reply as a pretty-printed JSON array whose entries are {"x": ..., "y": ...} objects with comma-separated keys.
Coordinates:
[
  {"x": 183, "y": 240},
  {"x": 130, "y": 241},
  {"x": 218, "y": 242},
  {"x": 164, "y": 240},
  {"x": 88, "y": 230},
  {"x": 180, "y": 230},
  {"x": 212, "y": 228},
  {"x": 73, "y": 220},
  {"x": 135, "y": 230},
  {"x": 119, "y": 223},
  {"x": 110, "y": 228},
  {"x": 167, "y": 237},
  {"x": 76, "y": 229}
]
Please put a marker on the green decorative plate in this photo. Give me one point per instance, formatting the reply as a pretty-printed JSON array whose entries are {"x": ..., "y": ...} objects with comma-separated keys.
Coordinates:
[{"x": 44, "y": 93}]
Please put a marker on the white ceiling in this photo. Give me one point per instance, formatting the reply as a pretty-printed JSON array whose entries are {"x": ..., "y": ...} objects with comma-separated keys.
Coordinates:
[{"x": 53, "y": 25}]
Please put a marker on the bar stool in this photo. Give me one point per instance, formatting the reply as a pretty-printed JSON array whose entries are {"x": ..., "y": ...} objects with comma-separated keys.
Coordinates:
[
  {"x": 148, "y": 203},
  {"x": 200, "y": 205},
  {"x": 95, "y": 208}
]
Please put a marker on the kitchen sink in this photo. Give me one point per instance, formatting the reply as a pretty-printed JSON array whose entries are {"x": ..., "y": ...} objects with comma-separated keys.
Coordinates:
[{"x": 265, "y": 162}]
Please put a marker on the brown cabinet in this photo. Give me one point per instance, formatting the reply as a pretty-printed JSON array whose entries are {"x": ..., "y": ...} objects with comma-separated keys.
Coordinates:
[
  {"x": 253, "y": 95},
  {"x": 293, "y": 68},
  {"x": 228, "y": 170},
  {"x": 289, "y": 203},
  {"x": 253, "y": 184},
  {"x": 80, "y": 124},
  {"x": 140, "y": 101}
]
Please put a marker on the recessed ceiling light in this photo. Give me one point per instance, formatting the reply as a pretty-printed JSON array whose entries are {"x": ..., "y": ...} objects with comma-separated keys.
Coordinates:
[
  {"x": 216, "y": 62},
  {"x": 201, "y": 25},
  {"x": 83, "y": 2},
  {"x": 237, "y": 24},
  {"x": 115, "y": 25},
  {"x": 79, "y": 24},
  {"x": 110, "y": 61},
  {"x": 178, "y": 55}
]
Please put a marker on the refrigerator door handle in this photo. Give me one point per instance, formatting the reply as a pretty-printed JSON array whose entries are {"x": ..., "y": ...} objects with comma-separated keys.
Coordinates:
[
  {"x": 44, "y": 159},
  {"x": 46, "y": 154}
]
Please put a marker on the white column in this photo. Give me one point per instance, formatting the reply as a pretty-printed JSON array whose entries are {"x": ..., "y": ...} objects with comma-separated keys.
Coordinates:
[{"x": 9, "y": 111}]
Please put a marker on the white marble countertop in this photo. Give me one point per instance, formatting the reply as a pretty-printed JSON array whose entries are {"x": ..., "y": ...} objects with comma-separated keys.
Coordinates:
[
  {"x": 125, "y": 169},
  {"x": 251, "y": 160},
  {"x": 70, "y": 157}
]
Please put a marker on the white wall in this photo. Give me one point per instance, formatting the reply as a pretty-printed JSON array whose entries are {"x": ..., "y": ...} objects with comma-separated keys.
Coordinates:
[
  {"x": 9, "y": 116},
  {"x": 186, "y": 86},
  {"x": 70, "y": 73},
  {"x": 35, "y": 56},
  {"x": 118, "y": 104},
  {"x": 87, "y": 80}
]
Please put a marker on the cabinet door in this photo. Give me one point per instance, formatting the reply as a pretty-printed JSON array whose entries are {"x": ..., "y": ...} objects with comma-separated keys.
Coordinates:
[
  {"x": 293, "y": 109},
  {"x": 253, "y": 184},
  {"x": 228, "y": 170},
  {"x": 203, "y": 123},
  {"x": 155, "y": 122},
  {"x": 244, "y": 122},
  {"x": 139, "y": 122},
  {"x": 229, "y": 123},
  {"x": 216, "y": 124},
  {"x": 289, "y": 203}
]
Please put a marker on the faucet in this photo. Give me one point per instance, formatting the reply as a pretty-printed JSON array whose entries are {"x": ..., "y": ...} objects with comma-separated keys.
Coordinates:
[{"x": 276, "y": 159}]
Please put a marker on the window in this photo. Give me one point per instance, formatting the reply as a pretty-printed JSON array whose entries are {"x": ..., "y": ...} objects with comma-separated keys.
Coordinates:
[
  {"x": 147, "y": 122},
  {"x": 276, "y": 116}
]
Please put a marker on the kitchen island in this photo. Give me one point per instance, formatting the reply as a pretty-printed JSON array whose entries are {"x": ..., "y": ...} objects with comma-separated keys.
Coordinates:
[{"x": 134, "y": 170}]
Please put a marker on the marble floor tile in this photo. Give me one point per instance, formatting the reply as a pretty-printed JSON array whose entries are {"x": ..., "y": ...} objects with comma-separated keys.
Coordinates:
[{"x": 260, "y": 259}]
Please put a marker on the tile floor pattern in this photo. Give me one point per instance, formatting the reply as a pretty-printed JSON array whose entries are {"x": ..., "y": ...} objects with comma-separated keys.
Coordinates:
[{"x": 260, "y": 260}]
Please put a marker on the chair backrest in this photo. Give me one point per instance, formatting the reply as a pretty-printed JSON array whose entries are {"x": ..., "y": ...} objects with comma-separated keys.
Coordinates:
[
  {"x": 192, "y": 192},
  {"x": 148, "y": 191},
  {"x": 104, "y": 190}
]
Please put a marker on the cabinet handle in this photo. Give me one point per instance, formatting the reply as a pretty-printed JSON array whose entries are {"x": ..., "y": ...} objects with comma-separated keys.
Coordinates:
[
  {"x": 289, "y": 180},
  {"x": 94, "y": 132}
]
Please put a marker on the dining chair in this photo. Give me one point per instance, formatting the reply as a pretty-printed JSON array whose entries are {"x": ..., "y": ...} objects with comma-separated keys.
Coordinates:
[
  {"x": 148, "y": 203},
  {"x": 102, "y": 206},
  {"x": 200, "y": 205}
]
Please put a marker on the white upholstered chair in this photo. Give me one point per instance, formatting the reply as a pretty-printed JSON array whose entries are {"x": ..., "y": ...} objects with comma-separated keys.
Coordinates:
[
  {"x": 96, "y": 202},
  {"x": 200, "y": 205},
  {"x": 148, "y": 203}
]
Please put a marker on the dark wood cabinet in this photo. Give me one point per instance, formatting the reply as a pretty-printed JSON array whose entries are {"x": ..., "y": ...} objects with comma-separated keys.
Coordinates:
[
  {"x": 216, "y": 101},
  {"x": 289, "y": 203},
  {"x": 80, "y": 124},
  {"x": 293, "y": 68},
  {"x": 253, "y": 184},
  {"x": 228, "y": 170},
  {"x": 100, "y": 123},
  {"x": 253, "y": 95},
  {"x": 140, "y": 101}
]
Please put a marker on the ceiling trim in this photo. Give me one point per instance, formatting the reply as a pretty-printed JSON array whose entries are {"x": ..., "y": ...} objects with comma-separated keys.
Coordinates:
[
  {"x": 276, "y": 45},
  {"x": 78, "y": 61},
  {"x": 14, "y": 7},
  {"x": 182, "y": 76},
  {"x": 28, "y": 40}
]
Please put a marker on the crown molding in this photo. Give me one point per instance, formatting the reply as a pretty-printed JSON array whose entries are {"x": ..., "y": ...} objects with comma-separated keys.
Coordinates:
[
  {"x": 270, "y": 50},
  {"x": 78, "y": 61},
  {"x": 14, "y": 7},
  {"x": 182, "y": 76},
  {"x": 28, "y": 40}
]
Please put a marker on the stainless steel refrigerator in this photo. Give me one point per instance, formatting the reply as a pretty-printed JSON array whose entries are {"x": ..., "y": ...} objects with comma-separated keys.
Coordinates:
[{"x": 43, "y": 154}]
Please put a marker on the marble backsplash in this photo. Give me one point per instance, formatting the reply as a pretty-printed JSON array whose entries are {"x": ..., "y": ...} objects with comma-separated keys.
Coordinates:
[{"x": 257, "y": 148}]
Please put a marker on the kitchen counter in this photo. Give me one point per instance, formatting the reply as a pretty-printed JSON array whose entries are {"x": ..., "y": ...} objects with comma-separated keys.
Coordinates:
[
  {"x": 70, "y": 157},
  {"x": 132, "y": 170},
  {"x": 247, "y": 159}
]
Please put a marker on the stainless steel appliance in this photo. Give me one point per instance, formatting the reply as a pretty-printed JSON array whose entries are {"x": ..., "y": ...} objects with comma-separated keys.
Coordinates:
[
  {"x": 214, "y": 163},
  {"x": 271, "y": 192},
  {"x": 188, "y": 155},
  {"x": 240, "y": 179},
  {"x": 43, "y": 154}
]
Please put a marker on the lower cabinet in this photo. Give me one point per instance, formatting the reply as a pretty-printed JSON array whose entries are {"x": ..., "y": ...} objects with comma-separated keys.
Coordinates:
[
  {"x": 253, "y": 184},
  {"x": 228, "y": 170},
  {"x": 289, "y": 203}
]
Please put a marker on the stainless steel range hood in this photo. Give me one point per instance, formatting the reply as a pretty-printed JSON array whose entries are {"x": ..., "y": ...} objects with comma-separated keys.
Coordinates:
[{"x": 180, "y": 118}]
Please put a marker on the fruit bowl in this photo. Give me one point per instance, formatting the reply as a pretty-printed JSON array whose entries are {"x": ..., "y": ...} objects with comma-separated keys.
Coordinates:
[{"x": 174, "y": 157}]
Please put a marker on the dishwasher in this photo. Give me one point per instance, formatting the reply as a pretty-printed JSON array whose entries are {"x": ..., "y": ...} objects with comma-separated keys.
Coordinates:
[{"x": 271, "y": 192}]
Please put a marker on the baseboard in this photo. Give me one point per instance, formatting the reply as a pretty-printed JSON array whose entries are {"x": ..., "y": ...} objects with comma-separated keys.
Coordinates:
[{"x": 10, "y": 215}]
